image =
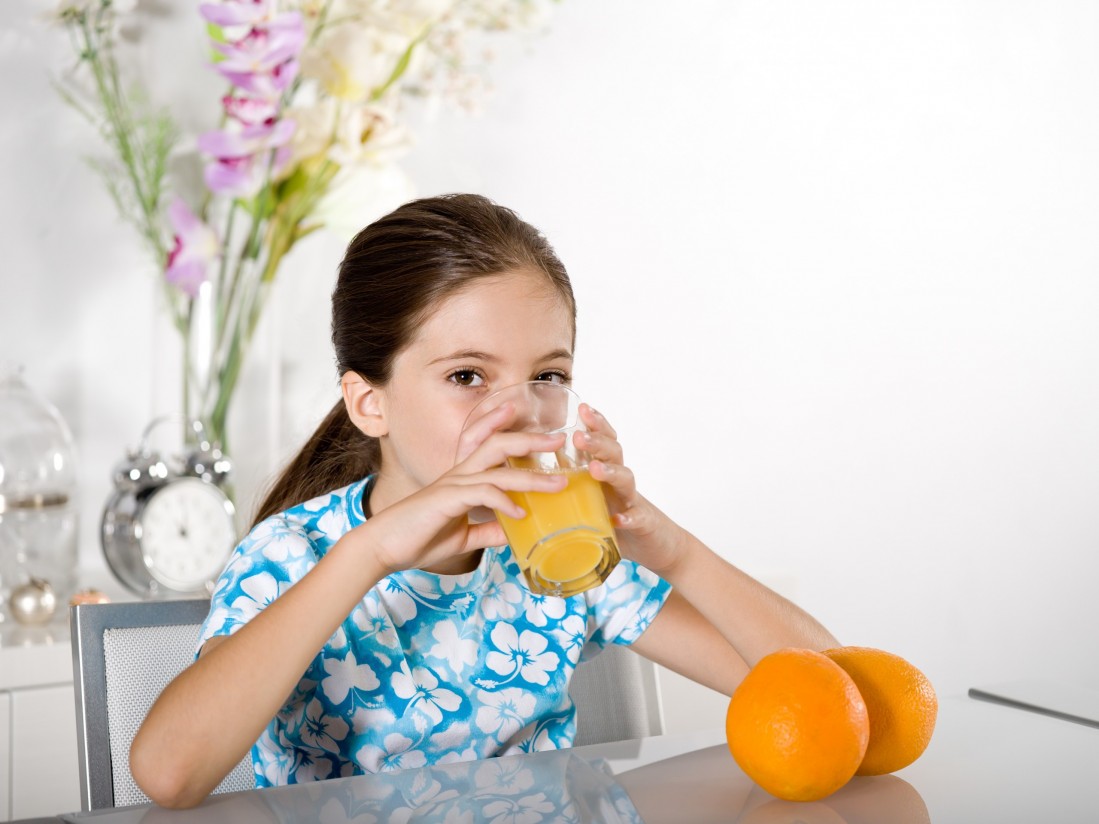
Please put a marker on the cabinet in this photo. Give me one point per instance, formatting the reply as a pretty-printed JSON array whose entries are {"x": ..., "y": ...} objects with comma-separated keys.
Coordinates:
[
  {"x": 5, "y": 756},
  {"x": 38, "y": 756},
  {"x": 39, "y": 766}
]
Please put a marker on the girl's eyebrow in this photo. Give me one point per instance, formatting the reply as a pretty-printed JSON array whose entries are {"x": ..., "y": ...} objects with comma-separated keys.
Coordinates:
[{"x": 474, "y": 354}]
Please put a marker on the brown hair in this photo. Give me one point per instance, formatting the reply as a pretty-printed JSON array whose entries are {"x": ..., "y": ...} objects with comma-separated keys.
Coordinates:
[{"x": 395, "y": 272}]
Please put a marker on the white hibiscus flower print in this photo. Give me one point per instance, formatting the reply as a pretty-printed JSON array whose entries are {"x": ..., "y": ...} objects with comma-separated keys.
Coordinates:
[
  {"x": 217, "y": 620},
  {"x": 617, "y": 589},
  {"x": 542, "y": 741},
  {"x": 642, "y": 620},
  {"x": 285, "y": 546},
  {"x": 501, "y": 597},
  {"x": 530, "y": 809},
  {"x": 427, "y": 792},
  {"x": 503, "y": 713},
  {"x": 332, "y": 522},
  {"x": 334, "y": 812},
  {"x": 338, "y": 640},
  {"x": 504, "y": 776},
  {"x": 367, "y": 719},
  {"x": 346, "y": 675},
  {"x": 521, "y": 654},
  {"x": 400, "y": 604},
  {"x": 258, "y": 591},
  {"x": 422, "y": 691},
  {"x": 571, "y": 634},
  {"x": 371, "y": 618},
  {"x": 457, "y": 651},
  {"x": 396, "y": 753},
  {"x": 319, "y": 503},
  {"x": 543, "y": 608},
  {"x": 229, "y": 574},
  {"x": 277, "y": 761},
  {"x": 312, "y": 768},
  {"x": 468, "y": 754},
  {"x": 322, "y": 731},
  {"x": 453, "y": 736},
  {"x": 458, "y": 814}
]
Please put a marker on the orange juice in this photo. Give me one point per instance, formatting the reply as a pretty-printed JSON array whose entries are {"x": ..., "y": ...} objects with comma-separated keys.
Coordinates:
[{"x": 565, "y": 544}]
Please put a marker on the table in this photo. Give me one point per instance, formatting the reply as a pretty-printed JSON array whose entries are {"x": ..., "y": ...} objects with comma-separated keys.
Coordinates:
[{"x": 985, "y": 763}]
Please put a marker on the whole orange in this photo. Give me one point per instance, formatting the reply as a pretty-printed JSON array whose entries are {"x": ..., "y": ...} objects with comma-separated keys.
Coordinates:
[
  {"x": 797, "y": 725},
  {"x": 900, "y": 701}
]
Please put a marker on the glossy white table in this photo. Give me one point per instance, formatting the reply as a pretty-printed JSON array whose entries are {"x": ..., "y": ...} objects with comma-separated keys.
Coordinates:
[{"x": 985, "y": 763}]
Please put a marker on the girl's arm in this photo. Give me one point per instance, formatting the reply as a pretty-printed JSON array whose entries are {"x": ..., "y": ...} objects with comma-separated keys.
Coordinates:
[
  {"x": 718, "y": 621},
  {"x": 209, "y": 717}
]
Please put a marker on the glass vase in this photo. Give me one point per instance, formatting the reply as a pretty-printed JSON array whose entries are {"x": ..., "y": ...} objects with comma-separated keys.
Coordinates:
[{"x": 38, "y": 491}]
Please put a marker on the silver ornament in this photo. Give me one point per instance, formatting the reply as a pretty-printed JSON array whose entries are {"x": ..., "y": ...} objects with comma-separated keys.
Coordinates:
[{"x": 33, "y": 603}]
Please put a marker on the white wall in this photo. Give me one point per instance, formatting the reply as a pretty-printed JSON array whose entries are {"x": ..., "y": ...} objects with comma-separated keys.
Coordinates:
[{"x": 837, "y": 276}]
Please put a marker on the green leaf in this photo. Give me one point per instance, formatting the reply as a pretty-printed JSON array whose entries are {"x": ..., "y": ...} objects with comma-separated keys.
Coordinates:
[
  {"x": 217, "y": 34},
  {"x": 399, "y": 69}
]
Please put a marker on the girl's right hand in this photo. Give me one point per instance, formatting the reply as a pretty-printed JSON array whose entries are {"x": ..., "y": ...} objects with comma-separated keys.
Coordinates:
[{"x": 433, "y": 524}]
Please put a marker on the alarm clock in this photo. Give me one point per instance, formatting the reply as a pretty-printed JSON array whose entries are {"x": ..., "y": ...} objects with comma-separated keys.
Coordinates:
[{"x": 168, "y": 527}]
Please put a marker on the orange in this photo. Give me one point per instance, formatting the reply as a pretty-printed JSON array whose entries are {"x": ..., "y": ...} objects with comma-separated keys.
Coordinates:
[
  {"x": 797, "y": 725},
  {"x": 901, "y": 703}
]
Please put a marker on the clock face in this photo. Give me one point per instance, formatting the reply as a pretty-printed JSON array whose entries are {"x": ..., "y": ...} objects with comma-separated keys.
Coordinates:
[{"x": 187, "y": 533}]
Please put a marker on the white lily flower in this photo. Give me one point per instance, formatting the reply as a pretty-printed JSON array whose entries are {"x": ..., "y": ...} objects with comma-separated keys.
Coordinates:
[
  {"x": 360, "y": 194},
  {"x": 350, "y": 62}
]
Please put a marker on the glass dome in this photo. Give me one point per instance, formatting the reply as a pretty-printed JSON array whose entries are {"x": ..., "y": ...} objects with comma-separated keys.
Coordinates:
[{"x": 38, "y": 508}]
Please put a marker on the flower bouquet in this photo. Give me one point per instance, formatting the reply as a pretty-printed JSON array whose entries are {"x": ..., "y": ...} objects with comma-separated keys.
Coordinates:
[{"x": 314, "y": 95}]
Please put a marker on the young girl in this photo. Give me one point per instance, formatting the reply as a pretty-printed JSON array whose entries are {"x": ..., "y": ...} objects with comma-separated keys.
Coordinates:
[{"x": 366, "y": 623}]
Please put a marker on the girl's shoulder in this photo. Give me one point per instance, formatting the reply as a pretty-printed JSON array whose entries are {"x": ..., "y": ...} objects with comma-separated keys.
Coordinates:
[{"x": 326, "y": 517}]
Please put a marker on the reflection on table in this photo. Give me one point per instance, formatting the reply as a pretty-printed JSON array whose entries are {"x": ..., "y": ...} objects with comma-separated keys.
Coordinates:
[{"x": 985, "y": 763}]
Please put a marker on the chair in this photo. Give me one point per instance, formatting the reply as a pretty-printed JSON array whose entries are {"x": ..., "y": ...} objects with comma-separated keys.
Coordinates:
[
  {"x": 123, "y": 656},
  {"x": 617, "y": 697}
]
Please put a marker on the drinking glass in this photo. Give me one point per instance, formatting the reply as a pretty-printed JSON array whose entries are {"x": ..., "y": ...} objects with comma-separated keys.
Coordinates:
[{"x": 565, "y": 544}]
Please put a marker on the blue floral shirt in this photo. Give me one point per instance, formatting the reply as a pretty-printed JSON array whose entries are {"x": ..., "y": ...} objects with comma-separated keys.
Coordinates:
[{"x": 427, "y": 669}]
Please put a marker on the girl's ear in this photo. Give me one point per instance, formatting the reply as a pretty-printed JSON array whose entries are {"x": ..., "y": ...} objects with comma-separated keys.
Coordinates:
[{"x": 365, "y": 404}]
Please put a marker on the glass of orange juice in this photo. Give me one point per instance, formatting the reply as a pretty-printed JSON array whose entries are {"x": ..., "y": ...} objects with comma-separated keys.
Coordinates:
[{"x": 565, "y": 544}]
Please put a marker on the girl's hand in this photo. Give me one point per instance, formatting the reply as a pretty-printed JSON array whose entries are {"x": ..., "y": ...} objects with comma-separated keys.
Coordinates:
[
  {"x": 433, "y": 524},
  {"x": 646, "y": 534}
]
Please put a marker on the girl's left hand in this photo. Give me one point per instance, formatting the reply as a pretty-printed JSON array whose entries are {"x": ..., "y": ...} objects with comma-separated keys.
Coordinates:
[{"x": 646, "y": 534}]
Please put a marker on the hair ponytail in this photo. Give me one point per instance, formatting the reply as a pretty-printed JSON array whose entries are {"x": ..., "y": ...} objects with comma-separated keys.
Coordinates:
[
  {"x": 395, "y": 273},
  {"x": 335, "y": 455}
]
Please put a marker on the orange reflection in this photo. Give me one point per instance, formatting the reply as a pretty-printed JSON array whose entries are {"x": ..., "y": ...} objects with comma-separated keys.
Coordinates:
[
  {"x": 863, "y": 800},
  {"x": 708, "y": 786}
]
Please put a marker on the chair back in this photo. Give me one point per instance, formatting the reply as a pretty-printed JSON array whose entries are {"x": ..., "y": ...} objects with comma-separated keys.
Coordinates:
[
  {"x": 124, "y": 655},
  {"x": 617, "y": 697}
]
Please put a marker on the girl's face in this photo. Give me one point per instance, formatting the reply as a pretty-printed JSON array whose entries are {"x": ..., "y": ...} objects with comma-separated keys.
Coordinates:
[{"x": 494, "y": 333}]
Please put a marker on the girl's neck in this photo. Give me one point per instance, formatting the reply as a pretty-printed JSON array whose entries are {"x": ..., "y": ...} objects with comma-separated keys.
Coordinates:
[{"x": 458, "y": 565}]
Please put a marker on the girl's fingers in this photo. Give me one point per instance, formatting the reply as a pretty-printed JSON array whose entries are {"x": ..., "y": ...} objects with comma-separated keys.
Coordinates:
[
  {"x": 500, "y": 446},
  {"x": 600, "y": 447},
  {"x": 596, "y": 422},
  {"x": 523, "y": 480},
  {"x": 476, "y": 432},
  {"x": 489, "y": 489},
  {"x": 619, "y": 478},
  {"x": 485, "y": 534}
]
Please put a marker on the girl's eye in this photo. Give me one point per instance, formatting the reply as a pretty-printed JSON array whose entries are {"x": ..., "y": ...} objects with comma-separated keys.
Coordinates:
[
  {"x": 466, "y": 377},
  {"x": 553, "y": 377}
]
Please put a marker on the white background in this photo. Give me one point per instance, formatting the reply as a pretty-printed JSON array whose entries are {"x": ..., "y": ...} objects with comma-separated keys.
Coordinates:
[{"x": 837, "y": 272}]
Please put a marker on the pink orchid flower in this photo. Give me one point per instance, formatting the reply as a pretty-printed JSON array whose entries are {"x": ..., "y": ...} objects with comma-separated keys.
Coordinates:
[
  {"x": 195, "y": 247},
  {"x": 250, "y": 110},
  {"x": 266, "y": 57},
  {"x": 237, "y": 12},
  {"x": 235, "y": 169}
]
